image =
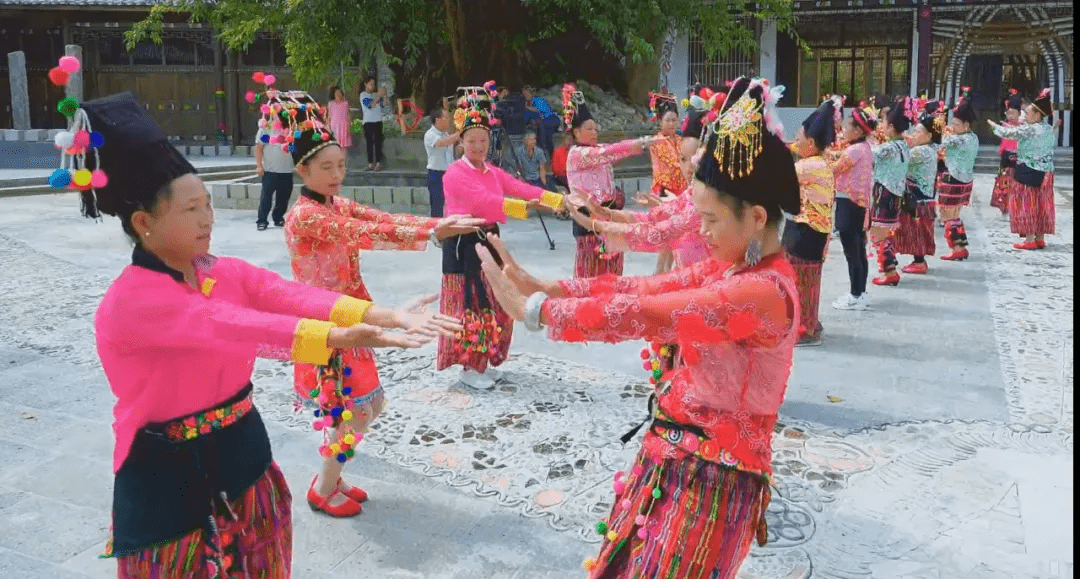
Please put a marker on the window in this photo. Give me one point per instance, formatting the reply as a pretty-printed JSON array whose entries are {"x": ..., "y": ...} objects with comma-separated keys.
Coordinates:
[
  {"x": 715, "y": 71},
  {"x": 856, "y": 72}
]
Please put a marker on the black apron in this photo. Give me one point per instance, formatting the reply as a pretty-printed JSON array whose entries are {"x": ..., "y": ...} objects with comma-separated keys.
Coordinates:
[
  {"x": 166, "y": 489},
  {"x": 460, "y": 257}
]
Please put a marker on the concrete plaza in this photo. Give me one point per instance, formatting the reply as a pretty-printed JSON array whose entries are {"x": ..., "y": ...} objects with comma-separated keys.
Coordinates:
[{"x": 930, "y": 436}]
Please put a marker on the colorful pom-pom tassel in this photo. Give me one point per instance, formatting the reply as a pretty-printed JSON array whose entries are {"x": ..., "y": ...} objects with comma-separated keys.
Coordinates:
[
  {"x": 64, "y": 139},
  {"x": 249, "y": 96},
  {"x": 69, "y": 64},
  {"x": 58, "y": 76},
  {"x": 98, "y": 179},
  {"x": 59, "y": 179},
  {"x": 68, "y": 106},
  {"x": 258, "y": 77},
  {"x": 97, "y": 140},
  {"x": 81, "y": 139}
]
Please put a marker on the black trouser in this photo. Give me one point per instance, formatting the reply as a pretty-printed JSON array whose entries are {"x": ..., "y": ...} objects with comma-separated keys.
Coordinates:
[
  {"x": 849, "y": 224},
  {"x": 435, "y": 192},
  {"x": 373, "y": 138},
  {"x": 276, "y": 190}
]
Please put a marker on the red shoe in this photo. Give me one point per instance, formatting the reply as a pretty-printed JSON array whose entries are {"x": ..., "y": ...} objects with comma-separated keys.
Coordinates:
[
  {"x": 1040, "y": 244},
  {"x": 349, "y": 508},
  {"x": 355, "y": 493},
  {"x": 956, "y": 255},
  {"x": 915, "y": 267},
  {"x": 892, "y": 279},
  {"x": 1027, "y": 245}
]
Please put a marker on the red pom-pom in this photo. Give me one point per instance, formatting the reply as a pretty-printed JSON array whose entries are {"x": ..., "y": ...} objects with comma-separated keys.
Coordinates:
[
  {"x": 656, "y": 347},
  {"x": 742, "y": 325},
  {"x": 645, "y": 354},
  {"x": 58, "y": 76},
  {"x": 258, "y": 77}
]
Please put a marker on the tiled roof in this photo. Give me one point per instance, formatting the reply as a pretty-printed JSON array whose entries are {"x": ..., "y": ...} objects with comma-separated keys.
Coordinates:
[{"x": 78, "y": 3}]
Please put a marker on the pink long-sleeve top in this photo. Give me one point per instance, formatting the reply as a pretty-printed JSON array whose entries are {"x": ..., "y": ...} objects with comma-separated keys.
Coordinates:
[
  {"x": 853, "y": 170},
  {"x": 589, "y": 171},
  {"x": 736, "y": 334},
  {"x": 674, "y": 226},
  {"x": 1008, "y": 145},
  {"x": 169, "y": 350},
  {"x": 481, "y": 192}
]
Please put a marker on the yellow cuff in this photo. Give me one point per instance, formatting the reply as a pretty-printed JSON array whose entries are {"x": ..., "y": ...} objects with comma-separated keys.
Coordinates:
[
  {"x": 552, "y": 200},
  {"x": 309, "y": 342},
  {"x": 516, "y": 208},
  {"x": 207, "y": 285},
  {"x": 349, "y": 311}
]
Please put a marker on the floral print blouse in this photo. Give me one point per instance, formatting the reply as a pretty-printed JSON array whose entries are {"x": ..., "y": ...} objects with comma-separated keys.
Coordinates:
[{"x": 1034, "y": 144}]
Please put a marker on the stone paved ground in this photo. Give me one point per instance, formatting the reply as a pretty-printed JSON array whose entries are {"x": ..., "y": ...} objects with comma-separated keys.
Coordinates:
[{"x": 930, "y": 436}]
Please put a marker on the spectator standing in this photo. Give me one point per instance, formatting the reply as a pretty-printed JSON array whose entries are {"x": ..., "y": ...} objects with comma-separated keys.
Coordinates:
[
  {"x": 274, "y": 166},
  {"x": 337, "y": 108},
  {"x": 547, "y": 122},
  {"x": 372, "y": 102},
  {"x": 439, "y": 145},
  {"x": 532, "y": 162}
]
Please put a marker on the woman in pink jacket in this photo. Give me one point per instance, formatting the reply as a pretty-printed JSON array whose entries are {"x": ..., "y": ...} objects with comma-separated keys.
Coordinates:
[
  {"x": 197, "y": 492},
  {"x": 476, "y": 188}
]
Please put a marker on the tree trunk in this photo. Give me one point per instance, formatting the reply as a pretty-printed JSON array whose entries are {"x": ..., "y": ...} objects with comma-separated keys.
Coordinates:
[{"x": 642, "y": 77}]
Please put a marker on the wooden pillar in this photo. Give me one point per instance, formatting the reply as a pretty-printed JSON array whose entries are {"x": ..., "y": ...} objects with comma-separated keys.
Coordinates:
[
  {"x": 925, "y": 47},
  {"x": 221, "y": 115}
]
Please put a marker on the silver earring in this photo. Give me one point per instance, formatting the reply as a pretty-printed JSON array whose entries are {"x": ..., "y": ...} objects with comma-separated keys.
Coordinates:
[{"x": 753, "y": 253}]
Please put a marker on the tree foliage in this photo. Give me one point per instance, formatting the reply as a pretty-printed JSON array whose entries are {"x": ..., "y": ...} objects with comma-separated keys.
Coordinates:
[{"x": 464, "y": 40}]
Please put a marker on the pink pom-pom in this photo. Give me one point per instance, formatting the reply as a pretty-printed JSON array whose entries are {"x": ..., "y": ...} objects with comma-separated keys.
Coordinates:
[
  {"x": 285, "y": 149},
  {"x": 626, "y": 504},
  {"x": 349, "y": 404},
  {"x": 317, "y": 425},
  {"x": 619, "y": 487},
  {"x": 262, "y": 123},
  {"x": 82, "y": 140},
  {"x": 269, "y": 79},
  {"x": 642, "y": 533},
  {"x": 359, "y": 436},
  {"x": 277, "y": 126},
  {"x": 249, "y": 96},
  {"x": 640, "y": 520},
  {"x": 647, "y": 366},
  {"x": 638, "y": 471},
  {"x": 265, "y": 109},
  {"x": 620, "y": 475},
  {"x": 69, "y": 64},
  {"x": 322, "y": 399},
  {"x": 98, "y": 179}
]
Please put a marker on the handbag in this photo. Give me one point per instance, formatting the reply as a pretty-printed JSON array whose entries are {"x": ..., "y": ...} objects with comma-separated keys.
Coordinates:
[{"x": 1028, "y": 177}]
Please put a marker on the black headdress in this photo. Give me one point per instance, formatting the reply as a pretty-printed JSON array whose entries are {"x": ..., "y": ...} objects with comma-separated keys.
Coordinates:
[
  {"x": 963, "y": 109},
  {"x": 821, "y": 125},
  {"x": 898, "y": 115},
  {"x": 1013, "y": 101},
  {"x": 745, "y": 156},
  {"x": 1044, "y": 106},
  {"x": 134, "y": 151}
]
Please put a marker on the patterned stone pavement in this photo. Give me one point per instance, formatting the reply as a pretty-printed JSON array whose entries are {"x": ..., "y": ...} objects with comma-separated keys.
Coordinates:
[{"x": 930, "y": 436}]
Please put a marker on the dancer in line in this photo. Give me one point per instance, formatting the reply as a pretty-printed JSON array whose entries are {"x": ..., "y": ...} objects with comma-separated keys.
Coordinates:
[
  {"x": 915, "y": 234},
  {"x": 665, "y": 154},
  {"x": 890, "y": 174},
  {"x": 197, "y": 492},
  {"x": 325, "y": 232},
  {"x": 696, "y": 495},
  {"x": 961, "y": 147},
  {"x": 853, "y": 170},
  {"x": 1031, "y": 200},
  {"x": 589, "y": 173},
  {"x": 481, "y": 190},
  {"x": 806, "y": 235},
  {"x": 1007, "y": 152}
]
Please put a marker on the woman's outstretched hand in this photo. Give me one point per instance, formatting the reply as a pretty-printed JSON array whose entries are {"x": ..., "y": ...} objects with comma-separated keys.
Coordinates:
[
  {"x": 456, "y": 225},
  {"x": 505, "y": 290},
  {"x": 365, "y": 336},
  {"x": 414, "y": 319}
]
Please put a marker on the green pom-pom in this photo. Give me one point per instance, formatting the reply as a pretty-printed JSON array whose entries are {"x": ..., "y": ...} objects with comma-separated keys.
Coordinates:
[
  {"x": 656, "y": 493},
  {"x": 314, "y": 393},
  {"x": 349, "y": 453},
  {"x": 657, "y": 374},
  {"x": 68, "y": 106},
  {"x": 601, "y": 528}
]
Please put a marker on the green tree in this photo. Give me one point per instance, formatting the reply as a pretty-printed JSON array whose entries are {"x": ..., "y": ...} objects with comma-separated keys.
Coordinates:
[{"x": 444, "y": 42}]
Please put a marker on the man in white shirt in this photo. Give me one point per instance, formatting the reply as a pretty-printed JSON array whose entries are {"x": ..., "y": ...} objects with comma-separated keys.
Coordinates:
[
  {"x": 371, "y": 106},
  {"x": 275, "y": 167},
  {"x": 439, "y": 145}
]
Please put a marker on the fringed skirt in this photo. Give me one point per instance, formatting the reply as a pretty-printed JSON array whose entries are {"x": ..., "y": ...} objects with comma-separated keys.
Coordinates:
[
  {"x": 363, "y": 377},
  {"x": 915, "y": 236},
  {"x": 589, "y": 262},
  {"x": 808, "y": 282},
  {"x": 885, "y": 211},
  {"x": 1002, "y": 185},
  {"x": 1031, "y": 209},
  {"x": 701, "y": 526},
  {"x": 951, "y": 193},
  {"x": 451, "y": 351},
  {"x": 262, "y": 531}
]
